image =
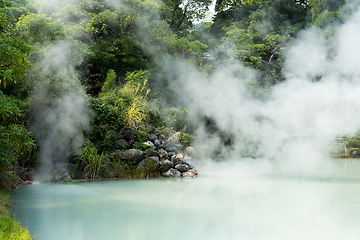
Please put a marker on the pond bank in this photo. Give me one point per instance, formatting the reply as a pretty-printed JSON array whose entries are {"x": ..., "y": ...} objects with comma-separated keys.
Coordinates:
[{"x": 10, "y": 229}]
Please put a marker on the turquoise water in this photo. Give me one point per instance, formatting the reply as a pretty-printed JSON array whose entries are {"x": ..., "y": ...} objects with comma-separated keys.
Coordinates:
[{"x": 207, "y": 207}]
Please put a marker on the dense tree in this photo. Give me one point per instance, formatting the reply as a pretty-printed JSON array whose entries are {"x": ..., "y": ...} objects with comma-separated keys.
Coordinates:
[
  {"x": 180, "y": 14},
  {"x": 325, "y": 12},
  {"x": 14, "y": 138},
  {"x": 258, "y": 31}
]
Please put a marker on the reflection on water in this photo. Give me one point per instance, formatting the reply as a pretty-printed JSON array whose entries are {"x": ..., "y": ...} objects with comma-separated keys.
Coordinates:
[{"x": 208, "y": 207}]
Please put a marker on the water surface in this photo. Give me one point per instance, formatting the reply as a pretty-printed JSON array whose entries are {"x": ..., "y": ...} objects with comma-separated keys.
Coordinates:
[{"x": 207, "y": 207}]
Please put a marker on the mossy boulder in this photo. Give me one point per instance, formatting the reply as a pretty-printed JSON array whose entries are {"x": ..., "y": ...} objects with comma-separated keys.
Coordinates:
[{"x": 130, "y": 156}]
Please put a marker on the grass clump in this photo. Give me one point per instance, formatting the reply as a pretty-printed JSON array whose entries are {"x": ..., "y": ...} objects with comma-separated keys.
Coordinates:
[
  {"x": 93, "y": 163},
  {"x": 9, "y": 228},
  {"x": 128, "y": 104}
]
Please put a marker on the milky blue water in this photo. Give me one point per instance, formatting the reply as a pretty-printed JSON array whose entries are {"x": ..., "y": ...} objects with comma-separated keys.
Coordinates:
[{"x": 204, "y": 208}]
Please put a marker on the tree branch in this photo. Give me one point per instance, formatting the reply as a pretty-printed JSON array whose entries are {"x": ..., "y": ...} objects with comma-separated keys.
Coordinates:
[
  {"x": 177, "y": 4},
  {"x": 182, "y": 17},
  {"x": 270, "y": 64}
]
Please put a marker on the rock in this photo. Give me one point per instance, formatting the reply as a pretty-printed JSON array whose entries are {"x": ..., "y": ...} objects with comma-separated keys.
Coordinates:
[
  {"x": 149, "y": 165},
  {"x": 188, "y": 174},
  {"x": 190, "y": 151},
  {"x": 108, "y": 169},
  {"x": 108, "y": 148},
  {"x": 170, "y": 154},
  {"x": 172, "y": 141},
  {"x": 174, "y": 137},
  {"x": 119, "y": 170},
  {"x": 121, "y": 144},
  {"x": 172, "y": 149},
  {"x": 175, "y": 160},
  {"x": 165, "y": 165},
  {"x": 117, "y": 136},
  {"x": 62, "y": 176},
  {"x": 355, "y": 153},
  {"x": 157, "y": 143},
  {"x": 172, "y": 173},
  {"x": 76, "y": 171},
  {"x": 31, "y": 175},
  {"x": 99, "y": 146},
  {"x": 148, "y": 129},
  {"x": 180, "y": 156},
  {"x": 136, "y": 145},
  {"x": 151, "y": 129},
  {"x": 149, "y": 143},
  {"x": 162, "y": 153},
  {"x": 150, "y": 153},
  {"x": 188, "y": 161},
  {"x": 133, "y": 155},
  {"x": 153, "y": 138},
  {"x": 129, "y": 133},
  {"x": 182, "y": 167},
  {"x": 193, "y": 171}
]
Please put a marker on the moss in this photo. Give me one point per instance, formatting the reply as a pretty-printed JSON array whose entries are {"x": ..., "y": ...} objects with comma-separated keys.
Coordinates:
[{"x": 9, "y": 228}]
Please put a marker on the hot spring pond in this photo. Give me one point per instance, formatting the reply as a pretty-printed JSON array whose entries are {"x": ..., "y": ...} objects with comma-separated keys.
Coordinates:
[{"x": 204, "y": 208}]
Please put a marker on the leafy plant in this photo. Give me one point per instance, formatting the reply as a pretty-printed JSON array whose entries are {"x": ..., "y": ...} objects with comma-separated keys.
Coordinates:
[
  {"x": 110, "y": 81},
  {"x": 14, "y": 138},
  {"x": 92, "y": 162},
  {"x": 186, "y": 139},
  {"x": 175, "y": 118},
  {"x": 129, "y": 104}
]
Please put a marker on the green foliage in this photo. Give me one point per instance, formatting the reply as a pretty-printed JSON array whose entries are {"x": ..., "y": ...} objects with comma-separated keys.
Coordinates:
[
  {"x": 13, "y": 53},
  {"x": 107, "y": 113},
  {"x": 91, "y": 161},
  {"x": 352, "y": 142},
  {"x": 140, "y": 138},
  {"x": 186, "y": 139},
  {"x": 325, "y": 12},
  {"x": 175, "y": 118},
  {"x": 256, "y": 33},
  {"x": 179, "y": 14},
  {"x": 14, "y": 138},
  {"x": 110, "y": 81},
  {"x": 113, "y": 32},
  {"x": 128, "y": 103},
  {"x": 9, "y": 228},
  {"x": 39, "y": 29}
]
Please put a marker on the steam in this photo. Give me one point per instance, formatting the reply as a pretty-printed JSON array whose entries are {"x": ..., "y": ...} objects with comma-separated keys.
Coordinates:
[
  {"x": 60, "y": 110},
  {"x": 317, "y": 102},
  {"x": 292, "y": 128}
]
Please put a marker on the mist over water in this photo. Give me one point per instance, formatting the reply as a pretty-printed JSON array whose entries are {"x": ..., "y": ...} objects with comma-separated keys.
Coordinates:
[
  {"x": 318, "y": 101},
  {"x": 207, "y": 207}
]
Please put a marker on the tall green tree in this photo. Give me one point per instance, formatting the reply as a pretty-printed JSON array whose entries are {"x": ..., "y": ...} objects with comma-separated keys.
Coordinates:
[
  {"x": 256, "y": 32},
  {"x": 180, "y": 14},
  {"x": 14, "y": 64}
]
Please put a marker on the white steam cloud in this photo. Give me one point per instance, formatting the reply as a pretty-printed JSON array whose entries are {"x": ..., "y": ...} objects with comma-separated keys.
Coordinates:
[
  {"x": 318, "y": 101},
  {"x": 60, "y": 111}
]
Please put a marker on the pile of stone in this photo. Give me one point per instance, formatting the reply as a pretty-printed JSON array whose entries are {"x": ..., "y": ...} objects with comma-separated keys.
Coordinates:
[{"x": 165, "y": 157}]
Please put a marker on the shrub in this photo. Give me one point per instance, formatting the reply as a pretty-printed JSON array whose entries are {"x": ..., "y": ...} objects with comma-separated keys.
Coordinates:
[
  {"x": 93, "y": 163},
  {"x": 110, "y": 81},
  {"x": 14, "y": 138},
  {"x": 175, "y": 118},
  {"x": 186, "y": 139},
  {"x": 128, "y": 105}
]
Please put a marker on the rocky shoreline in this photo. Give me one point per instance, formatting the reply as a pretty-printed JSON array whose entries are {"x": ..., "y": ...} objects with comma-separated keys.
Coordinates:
[{"x": 163, "y": 157}]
